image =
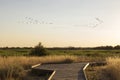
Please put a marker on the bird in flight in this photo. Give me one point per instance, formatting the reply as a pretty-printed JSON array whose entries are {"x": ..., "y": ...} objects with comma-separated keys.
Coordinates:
[{"x": 99, "y": 20}]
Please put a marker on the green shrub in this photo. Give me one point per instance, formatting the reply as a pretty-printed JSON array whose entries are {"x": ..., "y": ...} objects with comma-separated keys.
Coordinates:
[{"x": 38, "y": 50}]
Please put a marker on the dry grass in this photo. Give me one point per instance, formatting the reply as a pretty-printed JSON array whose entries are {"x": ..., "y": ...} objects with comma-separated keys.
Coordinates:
[
  {"x": 113, "y": 68},
  {"x": 97, "y": 73},
  {"x": 13, "y": 67},
  {"x": 111, "y": 71},
  {"x": 28, "y": 61}
]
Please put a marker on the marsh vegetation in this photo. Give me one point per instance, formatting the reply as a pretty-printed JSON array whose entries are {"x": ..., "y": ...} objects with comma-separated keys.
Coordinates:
[{"x": 14, "y": 62}]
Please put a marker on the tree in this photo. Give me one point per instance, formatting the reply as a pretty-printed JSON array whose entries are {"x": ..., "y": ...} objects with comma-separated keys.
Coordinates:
[
  {"x": 38, "y": 50},
  {"x": 117, "y": 47}
]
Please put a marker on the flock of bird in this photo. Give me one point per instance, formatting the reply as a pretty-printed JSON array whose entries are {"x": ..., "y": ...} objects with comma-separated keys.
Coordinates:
[
  {"x": 30, "y": 20},
  {"x": 92, "y": 25}
]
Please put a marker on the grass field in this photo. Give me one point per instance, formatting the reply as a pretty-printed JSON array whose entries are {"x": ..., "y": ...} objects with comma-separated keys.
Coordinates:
[
  {"x": 14, "y": 52},
  {"x": 89, "y": 53},
  {"x": 13, "y": 62},
  {"x": 13, "y": 67}
]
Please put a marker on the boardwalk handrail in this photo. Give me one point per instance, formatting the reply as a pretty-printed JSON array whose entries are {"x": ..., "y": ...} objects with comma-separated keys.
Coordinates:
[
  {"x": 85, "y": 75},
  {"x": 51, "y": 75},
  {"x": 35, "y": 65}
]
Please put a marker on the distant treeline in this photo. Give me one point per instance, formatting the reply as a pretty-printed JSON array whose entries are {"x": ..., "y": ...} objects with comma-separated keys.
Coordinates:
[
  {"x": 70, "y": 48},
  {"x": 87, "y": 48},
  {"x": 16, "y": 47}
]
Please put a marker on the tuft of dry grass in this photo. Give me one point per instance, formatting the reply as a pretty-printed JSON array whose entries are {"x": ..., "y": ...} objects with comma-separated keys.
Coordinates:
[{"x": 113, "y": 68}]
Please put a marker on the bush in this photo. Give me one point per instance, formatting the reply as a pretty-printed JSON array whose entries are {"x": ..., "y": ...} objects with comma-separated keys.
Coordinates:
[{"x": 38, "y": 50}]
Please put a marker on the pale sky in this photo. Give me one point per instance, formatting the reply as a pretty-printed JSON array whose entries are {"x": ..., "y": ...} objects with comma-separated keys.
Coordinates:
[{"x": 59, "y": 23}]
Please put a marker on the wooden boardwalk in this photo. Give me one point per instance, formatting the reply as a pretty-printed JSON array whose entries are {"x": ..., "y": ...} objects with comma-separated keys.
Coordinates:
[{"x": 69, "y": 71}]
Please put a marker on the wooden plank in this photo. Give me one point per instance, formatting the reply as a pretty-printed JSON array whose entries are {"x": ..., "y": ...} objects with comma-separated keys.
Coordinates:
[{"x": 70, "y": 71}]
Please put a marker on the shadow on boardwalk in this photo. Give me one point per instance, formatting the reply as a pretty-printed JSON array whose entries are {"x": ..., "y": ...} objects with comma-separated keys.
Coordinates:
[{"x": 81, "y": 75}]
